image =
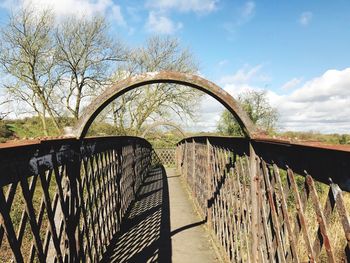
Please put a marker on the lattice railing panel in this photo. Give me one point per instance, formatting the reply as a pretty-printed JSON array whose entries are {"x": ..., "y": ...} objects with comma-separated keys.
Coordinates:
[
  {"x": 261, "y": 212},
  {"x": 31, "y": 225},
  {"x": 64, "y": 200},
  {"x": 200, "y": 185},
  {"x": 166, "y": 156},
  {"x": 310, "y": 218}
]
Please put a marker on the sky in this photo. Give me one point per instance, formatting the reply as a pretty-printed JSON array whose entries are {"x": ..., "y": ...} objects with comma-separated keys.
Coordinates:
[{"x": 296, "y": 50}]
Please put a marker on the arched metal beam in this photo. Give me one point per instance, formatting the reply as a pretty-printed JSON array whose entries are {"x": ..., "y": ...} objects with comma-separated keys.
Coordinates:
[
  {"x": 162, "y": 123},
  {"x": 186, "y": 79}
]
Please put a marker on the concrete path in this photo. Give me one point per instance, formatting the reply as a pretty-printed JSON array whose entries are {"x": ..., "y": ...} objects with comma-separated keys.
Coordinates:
[
  {"x": 190, "y": 241},
  {"x": 161, "y": 226}
]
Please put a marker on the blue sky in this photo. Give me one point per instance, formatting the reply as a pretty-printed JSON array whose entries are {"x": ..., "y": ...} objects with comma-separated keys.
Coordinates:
[
  {"x": 296, "y": 50},
  {"x": 289, "y": 38}
]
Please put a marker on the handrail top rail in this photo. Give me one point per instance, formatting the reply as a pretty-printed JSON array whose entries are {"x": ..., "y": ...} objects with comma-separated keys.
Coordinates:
[
  {"x": 281, "y": 141},
  {"x": 58, "y": 140}
]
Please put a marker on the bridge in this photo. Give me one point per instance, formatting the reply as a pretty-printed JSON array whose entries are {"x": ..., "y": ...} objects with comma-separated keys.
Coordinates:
[{"x": 110, "y": 199}]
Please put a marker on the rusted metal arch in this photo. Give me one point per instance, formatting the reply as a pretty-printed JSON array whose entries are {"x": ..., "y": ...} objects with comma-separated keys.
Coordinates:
[
  {"x": 186, "y": 79},
  {"x": 163, "y": 123}
]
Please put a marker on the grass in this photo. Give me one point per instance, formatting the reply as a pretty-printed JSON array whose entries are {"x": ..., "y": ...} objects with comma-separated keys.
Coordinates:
[
  {"x": 335, "y": 227},
  {"x": 334, "y": 138},
  {"x": 17, "y": 209},
  {"x": 336, "y": 233}
]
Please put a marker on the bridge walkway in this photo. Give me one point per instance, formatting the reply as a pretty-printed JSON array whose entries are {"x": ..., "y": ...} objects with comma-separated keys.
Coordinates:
[{"x": 161, "y": 225}]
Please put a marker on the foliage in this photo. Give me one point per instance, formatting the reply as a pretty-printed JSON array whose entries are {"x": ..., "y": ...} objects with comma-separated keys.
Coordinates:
[
  {"x": 5, "y": 132},
  {"x": 228, "y": 125},
  {"x": 334, "y": 138},
  {"x": 101, "y": 128},
  {"x": 30, "y": 127},
  {"x": 163, "y": 139},
  {"x": 256, "y": 104}
]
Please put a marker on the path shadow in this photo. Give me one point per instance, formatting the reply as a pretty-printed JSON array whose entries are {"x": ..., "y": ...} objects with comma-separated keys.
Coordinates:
[
  {"x": 145, "y": 233},
  {"x": 183, "y": 228}
]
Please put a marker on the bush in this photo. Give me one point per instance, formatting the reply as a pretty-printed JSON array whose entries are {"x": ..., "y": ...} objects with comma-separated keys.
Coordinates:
[{"x": 5, "y": 132}]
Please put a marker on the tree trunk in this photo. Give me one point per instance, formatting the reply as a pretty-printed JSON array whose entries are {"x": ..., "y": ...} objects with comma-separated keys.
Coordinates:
[
  {"x": 49, "y": 110},
  {"x": 43, "y": 122}
]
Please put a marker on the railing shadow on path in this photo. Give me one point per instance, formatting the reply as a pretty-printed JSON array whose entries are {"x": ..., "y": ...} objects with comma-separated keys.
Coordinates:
[
  {"x": 145, "y": 232},
  {"x": 145, "y": 235}
]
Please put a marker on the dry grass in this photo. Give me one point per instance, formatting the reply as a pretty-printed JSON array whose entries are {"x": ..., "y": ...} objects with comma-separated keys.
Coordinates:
[
  {"x": 16, "y": 213},
  {"x": 336, "y": 233}
]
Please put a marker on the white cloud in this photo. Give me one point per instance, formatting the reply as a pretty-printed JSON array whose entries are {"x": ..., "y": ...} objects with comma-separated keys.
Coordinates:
[
  {"x": 248, "y": 10},
  {"x": 78, "y": 8},
  {"x": 245, "y": 75},
  {"x": 198, "y": 6},
  {"x": 161, "y": 24},
  {"x": 7, "y": 4},
  {"x": 243, "y": 15},
  {"x": 238, "y": 82},
  {"x": 223, "y": 63},
  {"x": 321, "y": 104},
  {"x": 209, "y": 114},
  {"x": 333, "y": 84},
  {"x": 117, "y": 15},
  {"x": 134, "y": 13},
  {"x": 291, "y": 83},
  {"x": 305, "y": 18}
]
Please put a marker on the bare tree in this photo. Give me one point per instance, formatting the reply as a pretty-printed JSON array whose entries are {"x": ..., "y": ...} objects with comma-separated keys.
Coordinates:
[
  {"x": 27, "y": 55},
  {"x": 87, "y": 56},
  {"x": 56, "y": 69},
  {"x": 157, "y": 101}
]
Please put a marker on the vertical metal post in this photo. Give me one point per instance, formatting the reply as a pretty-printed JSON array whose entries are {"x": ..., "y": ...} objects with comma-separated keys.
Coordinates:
[
  {"x": 134, "y": 177},
  {"x": 177, "y": 159},
  {"x": 184, "y": 169},
  {"x": 72, "y": 228},
  {"x": 254, "y": 203},
  {"x": 194, "y": 168},
  {"x": 185, "y": 161},
  {"x": 209, "y": 188}
]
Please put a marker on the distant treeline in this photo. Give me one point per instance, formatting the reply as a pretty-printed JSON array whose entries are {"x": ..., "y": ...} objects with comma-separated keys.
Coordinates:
[
  {"x": 30, "y": 127},
  {"x": 333, "y": 138}
]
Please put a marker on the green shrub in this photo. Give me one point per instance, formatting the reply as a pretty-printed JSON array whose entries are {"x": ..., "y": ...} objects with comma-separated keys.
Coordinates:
[{"x": 5, "y": 132}]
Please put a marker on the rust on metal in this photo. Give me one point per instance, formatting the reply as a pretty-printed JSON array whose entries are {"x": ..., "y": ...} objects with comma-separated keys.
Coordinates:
[
  {"x": 323, "y": 163},
  {"x": 246, "y": 189},
  {"x": 186, "y": 79},
  {"x": 273, "y": 203},
  {"x": 323, "y": 228},
  {"x": 75, "y": 194}
]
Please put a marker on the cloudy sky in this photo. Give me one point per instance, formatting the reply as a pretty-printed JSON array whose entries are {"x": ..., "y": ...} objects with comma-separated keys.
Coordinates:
[{"x": 297, "y": 50}]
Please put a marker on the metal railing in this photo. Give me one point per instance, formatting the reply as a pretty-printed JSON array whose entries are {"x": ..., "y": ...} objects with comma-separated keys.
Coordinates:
[
  {"x": 166, "y": 156},
  {"x": 270, "y": 201},
  {"x": 64, "y": 200}
]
